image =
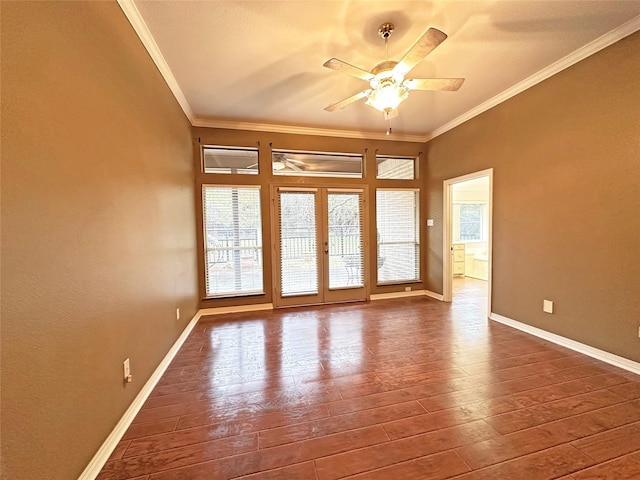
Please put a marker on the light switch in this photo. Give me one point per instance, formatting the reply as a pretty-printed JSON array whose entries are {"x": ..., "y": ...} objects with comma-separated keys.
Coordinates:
[
  {"x": 430, "y": 222},
  {"x": 547, "y": 306}
]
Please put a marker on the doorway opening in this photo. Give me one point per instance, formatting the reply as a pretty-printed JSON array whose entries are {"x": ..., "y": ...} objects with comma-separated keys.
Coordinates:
[
  {"x": 468, "y": 206},
  {"x": 319, "y": 245}
]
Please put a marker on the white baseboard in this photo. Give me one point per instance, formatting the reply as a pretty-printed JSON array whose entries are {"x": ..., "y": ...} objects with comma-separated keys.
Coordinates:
[
  {"x": 384, "y": 296},
  {"x": 105, "y": 451},
  {"x": 435, "y": 295},
  {"x": 235, "y": 309},
  {"x": 412, "y": 293},
  {"x": 607, "y": 357}
]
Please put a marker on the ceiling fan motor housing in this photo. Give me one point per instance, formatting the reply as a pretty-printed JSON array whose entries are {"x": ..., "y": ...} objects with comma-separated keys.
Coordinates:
[{"x": 385, "y": 30}]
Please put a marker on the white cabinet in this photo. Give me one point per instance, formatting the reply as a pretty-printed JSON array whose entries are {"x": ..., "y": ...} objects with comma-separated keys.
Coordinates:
[{"x": 458, "y": 258}]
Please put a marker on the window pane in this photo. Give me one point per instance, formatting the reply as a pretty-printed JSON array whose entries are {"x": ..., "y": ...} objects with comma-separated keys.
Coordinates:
[
  {"x": 298, "y": 244},
  {"x": 398, "y": 235},
  {"x": 471, "y": 221},
  {"x": 316, "y": 164},
  {"x": 345, "y": 240},
  {"x": 396, "y": 168},
  {"x": 233, "y": 240},
  {"x": 230, "y": 160}
]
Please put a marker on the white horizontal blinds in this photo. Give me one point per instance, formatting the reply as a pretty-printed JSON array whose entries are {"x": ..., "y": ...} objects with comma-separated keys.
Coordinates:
[
  {"x": 395, "y": 168},
  {"x": 345, "y": 245},
  {"x": 298, "y": 243},
  {"x": 398, "y": 235},
  {"x": 233, "y": 240}
]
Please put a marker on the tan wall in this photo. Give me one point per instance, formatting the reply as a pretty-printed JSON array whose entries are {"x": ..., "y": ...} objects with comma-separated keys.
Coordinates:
[
  {"x": 266, "y": 141},
  {"x": 98, "y": 237},
  {"x": 566, "y": 226}
]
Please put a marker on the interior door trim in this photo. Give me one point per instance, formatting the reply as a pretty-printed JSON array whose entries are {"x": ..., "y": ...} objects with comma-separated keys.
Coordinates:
[{"x": 447, "y": 242}]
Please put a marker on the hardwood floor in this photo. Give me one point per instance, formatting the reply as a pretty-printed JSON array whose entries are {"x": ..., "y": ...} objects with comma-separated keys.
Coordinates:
[{"x": 395, "y": 389}]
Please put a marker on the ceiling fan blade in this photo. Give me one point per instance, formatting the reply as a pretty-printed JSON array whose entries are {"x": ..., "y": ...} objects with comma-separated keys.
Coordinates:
[
  {"x": 447, "y": 84},
  {"x": 430, "y": 40},
  {"x": 252, "y": 166},
  {"x": 344, "y": 67},
  {"x": 292, "y": 166},
  {"x": 343, "y": 103},
  {"x": 293, "y": 160}
]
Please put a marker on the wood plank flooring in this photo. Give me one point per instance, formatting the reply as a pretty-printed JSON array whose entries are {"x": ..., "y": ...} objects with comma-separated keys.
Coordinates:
[{"x": 395, "y": 389}]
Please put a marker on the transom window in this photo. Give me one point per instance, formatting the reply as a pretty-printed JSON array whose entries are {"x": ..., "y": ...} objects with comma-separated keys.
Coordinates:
[
  {"x": 395, "y": 168},
  {"x": 230, "y": 160},
  {"x": 316, "y": 164}
]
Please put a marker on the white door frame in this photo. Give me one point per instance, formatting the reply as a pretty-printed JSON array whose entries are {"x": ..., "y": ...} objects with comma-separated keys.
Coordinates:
[
  {"x": 325, "y": 294},
  {"x": 447, "y": 288}
]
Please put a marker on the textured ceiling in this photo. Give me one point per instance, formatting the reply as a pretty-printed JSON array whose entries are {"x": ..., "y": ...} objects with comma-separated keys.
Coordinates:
[{"x": 260, "y": 62}]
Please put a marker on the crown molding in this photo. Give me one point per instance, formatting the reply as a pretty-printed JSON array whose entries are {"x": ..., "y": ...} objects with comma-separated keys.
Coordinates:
[
  {"x": 137, "y": 22},
  {"x": 323, "y": 132},
  {"x": 135, "y": 18},
  {"x": 587, "y": 50}
]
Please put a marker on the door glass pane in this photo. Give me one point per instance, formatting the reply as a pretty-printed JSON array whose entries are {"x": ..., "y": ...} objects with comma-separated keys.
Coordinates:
[
  {"x": 345, "y": 239},
  {"x": 298, "y": 244}
]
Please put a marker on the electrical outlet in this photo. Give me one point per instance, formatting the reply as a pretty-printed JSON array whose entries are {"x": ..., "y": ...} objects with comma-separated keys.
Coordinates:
[
  {"x": 638, "y": 332},
  {"x": 407, "y": 289},
  {"x": 126, "y": 366},
  {"x": 547, "y": 306},
  {"x": 177, "y": 314}
]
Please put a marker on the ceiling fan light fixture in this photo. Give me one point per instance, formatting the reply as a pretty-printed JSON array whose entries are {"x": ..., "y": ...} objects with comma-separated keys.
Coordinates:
[
  {"x": 278, "y": 165},
  {"x": 387, "y": 96}
]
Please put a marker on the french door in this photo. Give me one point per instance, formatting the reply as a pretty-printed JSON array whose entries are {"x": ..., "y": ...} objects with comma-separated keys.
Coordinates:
[{"x": 319, "y": 247}]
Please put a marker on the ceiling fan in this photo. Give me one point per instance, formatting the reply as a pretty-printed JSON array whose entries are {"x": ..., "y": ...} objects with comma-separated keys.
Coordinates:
[
  {"x": 281, "y": 162},
  {"x": 388, "y": 85}
]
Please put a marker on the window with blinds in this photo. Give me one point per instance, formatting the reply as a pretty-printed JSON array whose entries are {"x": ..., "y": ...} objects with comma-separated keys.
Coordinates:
[
  {"x": 396, "y": 168},
  {"x": 233, "y": 240},
  {"x": 397, "y": 220},
  {"x": 298, "y": 243}
]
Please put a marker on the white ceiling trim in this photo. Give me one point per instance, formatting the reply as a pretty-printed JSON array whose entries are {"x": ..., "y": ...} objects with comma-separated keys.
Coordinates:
[
  {"x": 589, "y": 49},
  {"x": 323, "y": 132},
  {"x": 135, "y": 19}
]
